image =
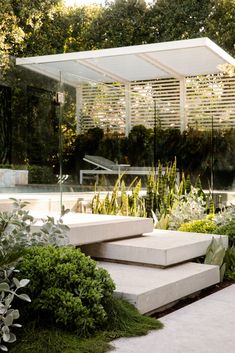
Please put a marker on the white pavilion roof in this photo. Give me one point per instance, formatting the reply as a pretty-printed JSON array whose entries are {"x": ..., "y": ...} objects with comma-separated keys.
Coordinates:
[{"x": 177, "y": 59}]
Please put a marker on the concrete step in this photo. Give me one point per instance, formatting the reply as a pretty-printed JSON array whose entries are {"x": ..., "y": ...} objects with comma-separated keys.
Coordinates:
[
  {"x": 149, "y": 288},
  {"x": 206, "y": 326},
  {"x": 161, "y": 248},
  {"x": 92, "y": 228}
]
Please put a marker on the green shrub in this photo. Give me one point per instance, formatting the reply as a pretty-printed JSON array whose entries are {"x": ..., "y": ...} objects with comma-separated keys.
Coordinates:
[
  {"x": 14, "y": 166},
  {"x": 229, "y": 260},
  {"x": 227, "y": 229},
  {"x": 67, "y": 285},
  {"x": 205, "y": 225},
  {"x": 41, "y": 175},
  {"x": 6, "y": 166}
]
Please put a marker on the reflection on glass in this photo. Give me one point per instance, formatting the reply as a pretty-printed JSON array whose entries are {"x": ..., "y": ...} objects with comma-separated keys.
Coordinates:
[{"x": 47, "y": 126}]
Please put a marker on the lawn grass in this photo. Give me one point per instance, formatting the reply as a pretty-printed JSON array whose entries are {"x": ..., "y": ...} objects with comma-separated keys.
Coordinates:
[{"x": 123, "y": 321}]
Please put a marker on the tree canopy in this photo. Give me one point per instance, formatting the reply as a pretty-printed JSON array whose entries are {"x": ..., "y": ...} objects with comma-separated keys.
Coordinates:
[{"x": 45, "y": 27}]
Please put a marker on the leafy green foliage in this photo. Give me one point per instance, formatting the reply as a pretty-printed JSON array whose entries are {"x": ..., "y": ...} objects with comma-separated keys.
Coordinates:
[
  {"x": 181, "y": 19},
  {"x": 229, "y": 230},
  {"x": 171, "y": 203},
  {"x": 19, "y": 19},
  {"x": 68, "y": 286},
  {"x": 215, "y": 255},
  {"x": 205, "y": 225},
  {"x": 223, "y": 11},
  {"x": 48, "y": 27},
  {"x": 41, "y": 175},
  {"x": 130, "y": 27},
  {"x": 9, "y": 287},
  {"x": 16, "y": 232},
  {"x": 140, "y": 146},
  {"x": 229, "y": 260},
  {"x": 122, "y": 201},
  {"x": 161, "y": 189}
]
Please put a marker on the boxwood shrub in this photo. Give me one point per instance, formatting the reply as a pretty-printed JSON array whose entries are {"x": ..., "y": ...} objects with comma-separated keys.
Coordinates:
[
  {"x": 229, "y": 230},
  {"x": 66, "y": 286},
  {"x": 205, "y": 225}
]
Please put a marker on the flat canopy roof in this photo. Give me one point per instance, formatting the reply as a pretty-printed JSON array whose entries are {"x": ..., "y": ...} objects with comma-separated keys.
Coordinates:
[{"x": 182, "y": 58}]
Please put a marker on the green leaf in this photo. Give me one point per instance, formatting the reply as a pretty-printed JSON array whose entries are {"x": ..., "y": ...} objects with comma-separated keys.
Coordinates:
[
  {"x": 16, "y": 314},
  {"x": 12, "y": 338},
  {"x": 16, "y": 325},
  {"x": 24, "y": 297},
  {"x": 24, "y": 282},
  {"x": 6, "y": 337},
  {"x": 8, "y": 320},
  {"x": 9, "y": 299},
  {"x": 3, "y": 348},
  {"x": 4, "y": 287},
  {"x": 17, "y": 282}
]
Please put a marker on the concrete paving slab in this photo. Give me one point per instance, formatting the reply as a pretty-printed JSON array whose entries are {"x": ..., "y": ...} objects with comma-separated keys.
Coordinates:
[
  {"x": 156, "y": 248},
  {"x": 150, "y": 288},
  {"x": 206, "y": 326},
  {"x": 92, "y": 228}
]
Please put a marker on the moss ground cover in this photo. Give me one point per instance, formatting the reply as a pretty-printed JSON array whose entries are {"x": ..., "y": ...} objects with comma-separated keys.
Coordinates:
[{"x": 123, "y": 321}]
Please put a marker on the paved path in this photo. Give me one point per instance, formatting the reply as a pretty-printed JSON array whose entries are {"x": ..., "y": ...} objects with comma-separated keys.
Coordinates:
[{"x": 206, "y": 326}]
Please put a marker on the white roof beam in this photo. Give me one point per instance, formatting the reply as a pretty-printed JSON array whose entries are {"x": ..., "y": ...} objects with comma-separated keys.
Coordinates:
[
  {"x": 160, "y": 65},
  {"x": 102, "y": 71},
  {"x": 128, "y": 50},
  {"x": 136, "y": 49},
  {"x": 219, "y": 52}
]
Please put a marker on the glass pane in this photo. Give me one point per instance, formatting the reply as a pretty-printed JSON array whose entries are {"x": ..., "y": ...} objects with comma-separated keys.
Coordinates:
[{"x": 29, "y": 142}]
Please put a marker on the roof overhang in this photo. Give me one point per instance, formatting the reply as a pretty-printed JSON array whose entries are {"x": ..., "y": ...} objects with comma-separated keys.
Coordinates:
[{"x": 182, "y": 58}]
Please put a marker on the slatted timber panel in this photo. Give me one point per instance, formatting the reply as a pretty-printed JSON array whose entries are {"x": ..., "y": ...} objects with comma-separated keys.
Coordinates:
[
  {"x": 208, "y": 98},
  {"x": 103, "y": 105},
  {"x": 158, "y": 98},
  {"x": 211, "y": 100}
]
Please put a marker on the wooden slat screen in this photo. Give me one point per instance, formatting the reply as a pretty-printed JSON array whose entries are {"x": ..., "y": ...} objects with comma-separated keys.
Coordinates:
[{"x": 208, "y": 98}]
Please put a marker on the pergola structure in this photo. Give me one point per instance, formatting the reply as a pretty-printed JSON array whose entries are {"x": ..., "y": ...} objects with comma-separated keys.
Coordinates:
[{"x": 125, "y": 65}]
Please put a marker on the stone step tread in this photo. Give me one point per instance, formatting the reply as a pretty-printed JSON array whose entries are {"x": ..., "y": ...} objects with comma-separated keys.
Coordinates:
[
  {"x": 93, "y": 228},
  {"x": 154, "y": 248},
  {"x": 151, "y": 288}
]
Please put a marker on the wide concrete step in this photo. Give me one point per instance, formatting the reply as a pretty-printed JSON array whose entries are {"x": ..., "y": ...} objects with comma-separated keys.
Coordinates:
[
  {"x": 161, "y": 248},
  {"x": 92, "y": 228},
  {"x": 149, "y": 288}
]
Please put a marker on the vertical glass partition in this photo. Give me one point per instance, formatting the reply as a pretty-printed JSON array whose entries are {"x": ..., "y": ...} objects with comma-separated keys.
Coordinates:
[
  {"x": 30, "y": 139},
  {"x": 47, "y": 126}
]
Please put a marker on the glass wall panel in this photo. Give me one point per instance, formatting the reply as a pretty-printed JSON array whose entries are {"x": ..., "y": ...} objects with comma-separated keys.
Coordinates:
[
  {"x": 47, "y": 127},
  {"x": 29, "y": 138}
]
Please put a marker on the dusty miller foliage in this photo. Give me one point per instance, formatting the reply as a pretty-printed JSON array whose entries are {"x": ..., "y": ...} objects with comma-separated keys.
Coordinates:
[
  {"x": 225, "y": 216},
  {"x": 17, "y": 232},
  {"x": 187, "y": 208},
  {"x": 10, "y": 287}
]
